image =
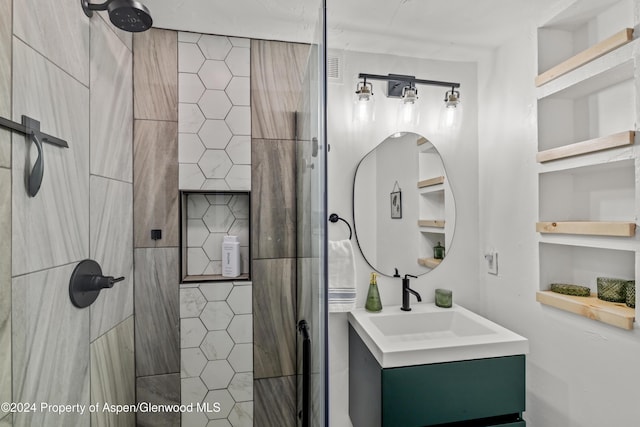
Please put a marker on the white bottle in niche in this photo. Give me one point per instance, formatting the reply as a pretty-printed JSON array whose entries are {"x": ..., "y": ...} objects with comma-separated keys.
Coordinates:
[{"x": 231, "y": 256}]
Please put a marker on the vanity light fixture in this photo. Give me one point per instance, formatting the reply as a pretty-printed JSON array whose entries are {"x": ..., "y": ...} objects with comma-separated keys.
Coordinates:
[
  {"x": 363, "y": 102},
  {"x": 403, "y": 87}
]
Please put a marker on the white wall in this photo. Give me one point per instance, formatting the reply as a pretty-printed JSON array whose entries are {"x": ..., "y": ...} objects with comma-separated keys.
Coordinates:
[
  {"x": 580, "y": 373},
  {"x": 349, "y": 143}
]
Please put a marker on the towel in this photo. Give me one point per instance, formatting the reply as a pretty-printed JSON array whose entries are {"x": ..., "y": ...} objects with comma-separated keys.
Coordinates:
[{"x": 342, "y": 277}]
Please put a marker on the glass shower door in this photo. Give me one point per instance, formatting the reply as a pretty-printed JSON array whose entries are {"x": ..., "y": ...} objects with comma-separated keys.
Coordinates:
[{"x": 311, "y": 231}]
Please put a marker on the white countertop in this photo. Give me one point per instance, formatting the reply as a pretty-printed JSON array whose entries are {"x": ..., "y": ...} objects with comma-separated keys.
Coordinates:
[{"x": 430, "y": 334}]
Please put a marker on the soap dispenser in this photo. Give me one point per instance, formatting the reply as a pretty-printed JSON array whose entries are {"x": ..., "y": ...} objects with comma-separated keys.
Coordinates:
[{"x": 373, "y": 304}]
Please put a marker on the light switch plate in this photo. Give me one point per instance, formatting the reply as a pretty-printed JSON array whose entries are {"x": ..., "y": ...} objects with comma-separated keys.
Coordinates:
[{"x": 491, "y": 256}]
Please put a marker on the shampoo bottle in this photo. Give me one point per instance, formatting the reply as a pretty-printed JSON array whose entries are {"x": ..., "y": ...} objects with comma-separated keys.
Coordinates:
[
  {"x": 230, "y": 256},
  {"x": 373, "y": 303}
]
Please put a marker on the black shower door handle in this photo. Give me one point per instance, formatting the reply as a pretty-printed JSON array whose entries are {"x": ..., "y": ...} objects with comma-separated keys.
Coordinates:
[{"x": 303, "y": 328}]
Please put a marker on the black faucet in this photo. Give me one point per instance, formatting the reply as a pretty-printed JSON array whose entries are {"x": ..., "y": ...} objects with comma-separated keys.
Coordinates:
[{"x": 405, "y": 293}]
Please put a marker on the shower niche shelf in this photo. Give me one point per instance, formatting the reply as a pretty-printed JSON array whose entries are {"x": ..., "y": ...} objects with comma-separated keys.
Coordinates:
[
  {"x": 587, "y": 115},
  {"x": 206, "y": 217}
]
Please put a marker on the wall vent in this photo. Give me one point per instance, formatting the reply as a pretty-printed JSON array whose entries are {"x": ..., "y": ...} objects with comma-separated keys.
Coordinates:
[{"x": 335, "y": 64}]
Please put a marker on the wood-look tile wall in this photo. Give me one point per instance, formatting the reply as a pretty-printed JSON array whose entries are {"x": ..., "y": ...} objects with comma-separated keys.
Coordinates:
[
  {"x": 156, "y": 206},
  {"x": 155, "y": 170},
  {"x": 155, "y": 78},
  {"x": 277, "y": 70},
  {"x": 274, "y": 317},
  {"x": 273, "y": 217},
  {"x": 272, "y": 412}
]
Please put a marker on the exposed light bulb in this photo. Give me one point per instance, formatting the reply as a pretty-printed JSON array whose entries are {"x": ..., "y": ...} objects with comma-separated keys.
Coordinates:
[
  {"x": 363, "y": 103},
  {"x": 408, "y": 114},
  {"x": 451, "y": 115}
]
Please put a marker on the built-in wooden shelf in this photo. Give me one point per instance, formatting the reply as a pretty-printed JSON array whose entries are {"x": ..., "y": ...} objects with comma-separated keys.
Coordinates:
[
  {"x": 436, "y": 223},
  {"x": 431, "y": 181},
  {"x": 584, "y": 147},
  {"x": 591, "y": 228},
  {"x": 422, "y": 140},
  {"x": 429, "y": 262},
  {"x": 596, "y": 51},
  {"x": 616, "y": 314}
]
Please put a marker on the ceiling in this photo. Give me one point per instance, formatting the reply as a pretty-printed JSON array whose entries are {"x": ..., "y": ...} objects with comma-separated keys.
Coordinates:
[{"x": 447, "y": 29}]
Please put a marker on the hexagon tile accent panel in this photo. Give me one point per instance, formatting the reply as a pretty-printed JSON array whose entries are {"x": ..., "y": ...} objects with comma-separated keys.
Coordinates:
[
  {"x": 214, "y": 112},
  {"x": 214, "y": 146},
  {"x": 217, "y": 360}
]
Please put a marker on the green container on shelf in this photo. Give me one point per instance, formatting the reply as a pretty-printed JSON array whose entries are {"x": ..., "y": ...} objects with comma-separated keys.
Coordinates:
[
  {"x": 612, "y": 289},
  {"x": 438, "y": 251},
  {"x": 631, "y": 293}
]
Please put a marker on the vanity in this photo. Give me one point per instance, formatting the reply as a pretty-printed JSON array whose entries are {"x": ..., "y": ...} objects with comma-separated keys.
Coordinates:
[{"x": 434, "y": 367}]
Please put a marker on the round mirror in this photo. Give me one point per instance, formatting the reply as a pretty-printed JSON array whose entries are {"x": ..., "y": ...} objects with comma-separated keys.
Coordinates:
[{"x": 403, "y": 207}]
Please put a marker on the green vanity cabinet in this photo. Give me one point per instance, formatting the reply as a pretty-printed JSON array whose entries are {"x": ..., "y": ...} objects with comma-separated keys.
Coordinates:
[{"x": 478, "y": 393}]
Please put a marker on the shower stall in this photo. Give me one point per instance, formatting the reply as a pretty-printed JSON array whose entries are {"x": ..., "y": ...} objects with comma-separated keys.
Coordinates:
[{"x": 117, "y": 100}]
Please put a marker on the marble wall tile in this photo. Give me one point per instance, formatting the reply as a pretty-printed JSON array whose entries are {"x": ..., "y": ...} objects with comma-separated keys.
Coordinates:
[
  {"x": 190, "y": 58},
  {"x": 113, "y": 374},
  {"x": 274, "y": 318},
  {"x": 242, "y": 414},
  {"x": 125, "y": 36},
  {"x": 58, "y": 30},
  {"x": 111, "y": 104},
  {"x": 239, "y": 177},
  {"x": 157, "y": 302},
  {"x": 50, "y": 347},
  {"x": 112, "y": 247},
  {"x": 155, "y": 75},
  {"x": 277, "y": 69},
  {"x": 273, "y": 199},
  {"x": 5, "y": 287},
  {"x": 5, "y": 79},
  {"x": 270, "y": 412},
  {"x": 161, "y": 390},
  {"x": 155, "y": 194},
  {"x": 191, "y": 177},
  {"x": 190, "y": 148},
  {"x": 52, "y": 228},
  {"x": 214, "y": 47}
]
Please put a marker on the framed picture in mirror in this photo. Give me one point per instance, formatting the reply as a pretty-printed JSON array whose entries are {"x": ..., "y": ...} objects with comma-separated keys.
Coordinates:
[{"x": 396, "y": 204}]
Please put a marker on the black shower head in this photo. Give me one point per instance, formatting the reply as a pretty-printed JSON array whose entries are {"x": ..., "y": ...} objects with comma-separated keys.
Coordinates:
[{"x": 128, "y": 15}]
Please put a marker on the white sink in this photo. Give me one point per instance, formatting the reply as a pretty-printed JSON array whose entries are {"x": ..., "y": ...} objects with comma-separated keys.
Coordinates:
[{"x": 430, "y": 334}]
